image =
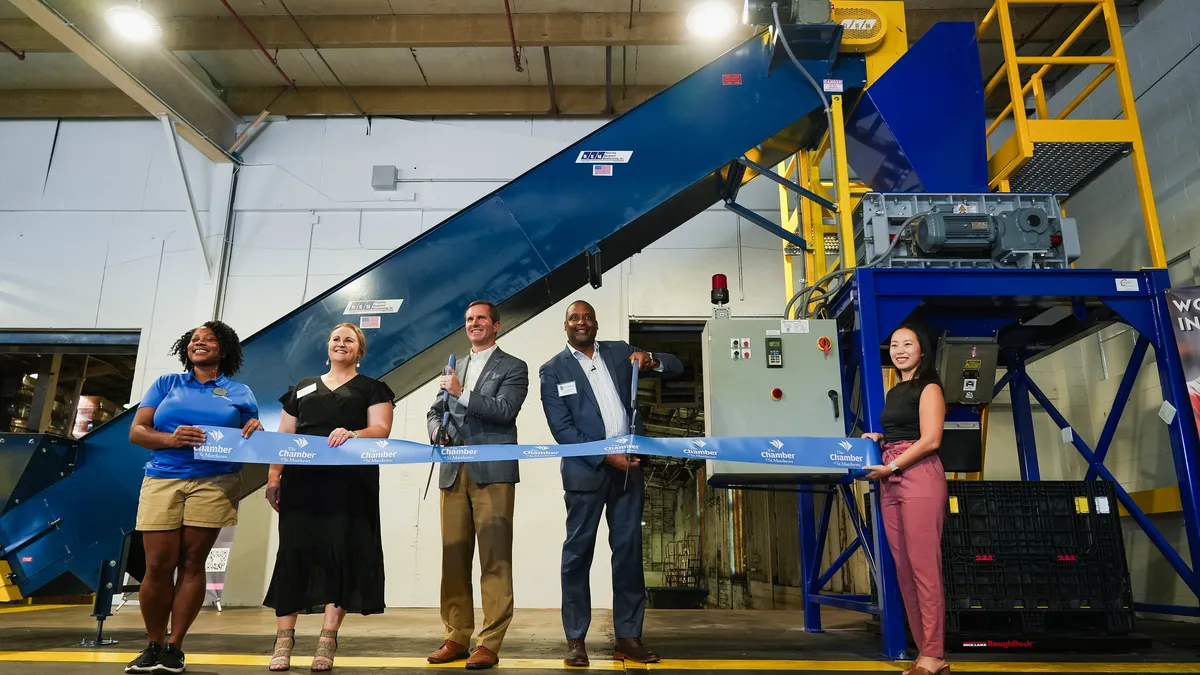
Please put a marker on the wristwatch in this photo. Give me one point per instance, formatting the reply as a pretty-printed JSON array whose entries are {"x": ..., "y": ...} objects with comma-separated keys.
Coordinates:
[
  {"x": 652, "y": 361},
  {"x": 896, "y": 470}
]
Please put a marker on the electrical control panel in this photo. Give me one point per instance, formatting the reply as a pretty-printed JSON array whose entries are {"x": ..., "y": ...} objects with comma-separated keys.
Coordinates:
[
  {"x": 967, "y": 367},
  {"x": 771, "y": 377},
  {"x": 774, "y": 350}
]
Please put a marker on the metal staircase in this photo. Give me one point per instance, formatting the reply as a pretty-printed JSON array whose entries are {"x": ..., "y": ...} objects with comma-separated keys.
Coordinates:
[{"x": 1057, "y": 153}]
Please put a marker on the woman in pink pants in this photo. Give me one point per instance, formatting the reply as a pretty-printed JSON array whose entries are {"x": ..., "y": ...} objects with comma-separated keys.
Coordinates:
[{"x": 913, "y": 499}]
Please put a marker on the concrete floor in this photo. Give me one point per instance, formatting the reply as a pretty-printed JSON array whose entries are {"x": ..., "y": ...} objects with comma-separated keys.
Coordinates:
[{"x": 239, "y": 641}]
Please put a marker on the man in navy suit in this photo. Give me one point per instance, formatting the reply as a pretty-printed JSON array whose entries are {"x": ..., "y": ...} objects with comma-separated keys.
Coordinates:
[{"x": 586, "y": 396}]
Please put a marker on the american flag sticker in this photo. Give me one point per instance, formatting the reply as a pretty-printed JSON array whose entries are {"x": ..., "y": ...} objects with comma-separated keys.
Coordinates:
[
  {"x": 368, "y": 321},
  {"x": 602, "y": 170}
]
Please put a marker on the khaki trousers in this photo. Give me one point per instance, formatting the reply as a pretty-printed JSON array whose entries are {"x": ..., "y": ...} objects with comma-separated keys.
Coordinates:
[{"x": 470, "y": 511}]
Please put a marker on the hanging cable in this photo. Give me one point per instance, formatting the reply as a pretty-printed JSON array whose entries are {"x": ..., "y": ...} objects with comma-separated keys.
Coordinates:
[
  {"x": 804, "y": 296},
  {"x": 837, "y": 215},
  {"x": 290, "y": 82},
  {"x": 20, "y": 55},
  {"x": 512, "y": 37},
  {"x": 322, "y": 57}
]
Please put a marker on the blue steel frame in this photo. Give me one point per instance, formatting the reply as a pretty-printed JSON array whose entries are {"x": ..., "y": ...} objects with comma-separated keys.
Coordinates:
[{"x": 877, "y": 301}]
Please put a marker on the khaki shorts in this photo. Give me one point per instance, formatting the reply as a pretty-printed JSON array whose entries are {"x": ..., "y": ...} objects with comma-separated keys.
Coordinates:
[{"x": 170, "y": 503}]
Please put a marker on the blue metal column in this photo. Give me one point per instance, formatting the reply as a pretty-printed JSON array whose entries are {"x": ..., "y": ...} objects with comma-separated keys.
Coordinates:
[
  {"x": 891, "y": 606},
  {"x": 1018, "y": 389},
  {"x": 809, "y": 557},
  {"x": 1185, "y": 442}
]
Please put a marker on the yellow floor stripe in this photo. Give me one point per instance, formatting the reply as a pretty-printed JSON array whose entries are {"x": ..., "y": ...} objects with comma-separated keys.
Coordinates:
[
  {"x": 32, "y": 608},
  {"x": 956, "y": 666},
  {"x": 197, "y": 659}
]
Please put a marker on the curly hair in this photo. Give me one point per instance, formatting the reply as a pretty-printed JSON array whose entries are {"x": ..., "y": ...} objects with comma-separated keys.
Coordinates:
[{"x": 227, "y": 341}]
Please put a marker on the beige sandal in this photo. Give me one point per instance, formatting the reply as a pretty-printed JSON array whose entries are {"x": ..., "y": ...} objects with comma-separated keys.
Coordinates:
[
  {"x": 323, "y": 660},
  {"x": 281, "y": 659}
]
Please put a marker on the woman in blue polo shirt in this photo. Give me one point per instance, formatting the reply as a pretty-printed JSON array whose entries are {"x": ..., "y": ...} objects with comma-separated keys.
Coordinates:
[{"x": 186, "y": 501}]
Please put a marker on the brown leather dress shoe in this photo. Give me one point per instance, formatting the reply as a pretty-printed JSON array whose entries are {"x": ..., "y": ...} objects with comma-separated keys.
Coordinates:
[
  {"x": 482, "y": 659},
  {"x": 632, "y": 649},
  {"x": 449, "y": 651},
  {"x": 576, "y": 654}
]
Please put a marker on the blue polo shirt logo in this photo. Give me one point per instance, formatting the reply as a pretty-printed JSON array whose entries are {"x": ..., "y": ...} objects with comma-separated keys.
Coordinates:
[{"x": 179, "y": 399}]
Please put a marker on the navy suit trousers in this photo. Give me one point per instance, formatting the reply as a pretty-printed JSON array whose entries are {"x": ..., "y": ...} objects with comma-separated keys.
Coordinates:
[{"x": 623, "y": 505}]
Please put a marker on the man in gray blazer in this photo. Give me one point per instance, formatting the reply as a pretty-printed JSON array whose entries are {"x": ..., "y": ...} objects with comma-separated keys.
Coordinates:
[{"x": 486, "y": 394}]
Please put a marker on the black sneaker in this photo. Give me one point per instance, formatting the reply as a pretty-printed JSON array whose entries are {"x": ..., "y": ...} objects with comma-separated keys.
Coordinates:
[
  {"x": 170, "y": 660},
  {"x": 145, "y": 661}
]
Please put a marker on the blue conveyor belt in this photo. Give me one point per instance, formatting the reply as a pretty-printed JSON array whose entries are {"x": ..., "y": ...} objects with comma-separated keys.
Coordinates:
[{"x": 525, "y": 247}]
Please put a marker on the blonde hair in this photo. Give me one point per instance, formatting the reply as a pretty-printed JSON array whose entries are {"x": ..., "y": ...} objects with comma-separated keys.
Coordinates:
[{"x": 358, "y": 335}]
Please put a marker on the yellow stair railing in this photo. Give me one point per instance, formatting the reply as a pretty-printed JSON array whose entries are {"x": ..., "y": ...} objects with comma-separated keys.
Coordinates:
[{"x": 1056, "y": 153}]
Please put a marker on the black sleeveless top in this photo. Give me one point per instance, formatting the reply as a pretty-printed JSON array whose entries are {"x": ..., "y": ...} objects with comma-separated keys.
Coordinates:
[{"x": 901, "y": 416}]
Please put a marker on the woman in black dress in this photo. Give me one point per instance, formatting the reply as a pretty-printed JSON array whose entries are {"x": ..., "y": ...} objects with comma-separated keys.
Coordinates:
[{"x": 330, "y": 557}]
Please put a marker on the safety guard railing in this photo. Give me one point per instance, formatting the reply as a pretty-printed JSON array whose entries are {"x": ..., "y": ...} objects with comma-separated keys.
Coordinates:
[{"x": 1045, "y": 127}]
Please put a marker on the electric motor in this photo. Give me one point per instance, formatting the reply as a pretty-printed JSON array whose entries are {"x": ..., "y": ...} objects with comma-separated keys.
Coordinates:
[
  {"x": 954, "y": 234},
  {"x": 965, "y": 231}
]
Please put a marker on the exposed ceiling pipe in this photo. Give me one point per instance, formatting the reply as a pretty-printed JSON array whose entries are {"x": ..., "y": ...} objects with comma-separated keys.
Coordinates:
[
  {"x": 290, "y": 82},
  {"x": 512, "y": 37},
  {"x": 20, "y": 55}
]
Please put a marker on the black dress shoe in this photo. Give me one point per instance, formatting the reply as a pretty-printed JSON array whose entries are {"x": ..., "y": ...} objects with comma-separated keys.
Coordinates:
[
  {"x": 576, "y": 654},
  {"x": 632, "y": 649}
]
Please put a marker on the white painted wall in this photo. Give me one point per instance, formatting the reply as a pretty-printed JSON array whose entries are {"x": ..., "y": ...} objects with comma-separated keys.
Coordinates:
[{"x": 95, "y": 223}]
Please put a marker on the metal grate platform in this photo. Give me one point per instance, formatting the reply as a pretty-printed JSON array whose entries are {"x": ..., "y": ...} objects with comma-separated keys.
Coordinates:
[{"x": 1066, "y": 167}]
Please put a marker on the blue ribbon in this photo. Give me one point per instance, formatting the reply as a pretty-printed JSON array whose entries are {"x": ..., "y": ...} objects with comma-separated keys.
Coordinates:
[{"x": 225, "y": 444}]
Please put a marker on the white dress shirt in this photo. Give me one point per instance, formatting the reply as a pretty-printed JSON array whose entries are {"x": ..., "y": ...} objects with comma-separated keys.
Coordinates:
[
  {"x": 470, "y": 375},
  {"x": 616, "y": 418}
]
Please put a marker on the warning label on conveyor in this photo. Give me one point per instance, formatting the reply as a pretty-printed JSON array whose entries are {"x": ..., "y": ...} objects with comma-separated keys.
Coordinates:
[{"x": 604, "y": 157}]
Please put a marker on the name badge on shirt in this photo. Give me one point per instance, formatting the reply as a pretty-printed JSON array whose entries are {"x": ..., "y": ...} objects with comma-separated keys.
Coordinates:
[
  {"x": 566, "y": 389},
  {"x": 307, "y": 390}
]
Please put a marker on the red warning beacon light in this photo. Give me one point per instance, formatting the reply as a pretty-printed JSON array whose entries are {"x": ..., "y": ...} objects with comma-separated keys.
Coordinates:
[{"x": 720, "y": 289}]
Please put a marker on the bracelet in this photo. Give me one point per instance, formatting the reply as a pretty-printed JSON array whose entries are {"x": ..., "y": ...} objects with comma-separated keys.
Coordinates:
[{"x": 354, "y": 434}]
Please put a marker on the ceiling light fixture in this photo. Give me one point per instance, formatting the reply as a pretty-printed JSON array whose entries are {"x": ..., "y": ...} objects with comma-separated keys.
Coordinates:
[
  {"x": 711, "y": 20},
  {"x": 133, "y": 23}
]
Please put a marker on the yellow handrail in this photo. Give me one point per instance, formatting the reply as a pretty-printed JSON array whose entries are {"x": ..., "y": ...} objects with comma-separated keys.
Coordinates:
[
  {"x": 1065, "y": 60},
  {"x": 1039, "y": 98},
  {"x": 987, "y": 21},
  {"x": 1087, "y": 91},
  {"x": 1008, "y": 44},
  {"x": 1067, "y": 43},
  {"x": 1020, "y": 147}
]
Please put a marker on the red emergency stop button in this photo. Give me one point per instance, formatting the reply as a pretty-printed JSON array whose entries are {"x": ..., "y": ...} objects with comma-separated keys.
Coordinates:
[{"x": 776, "y": 394}]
